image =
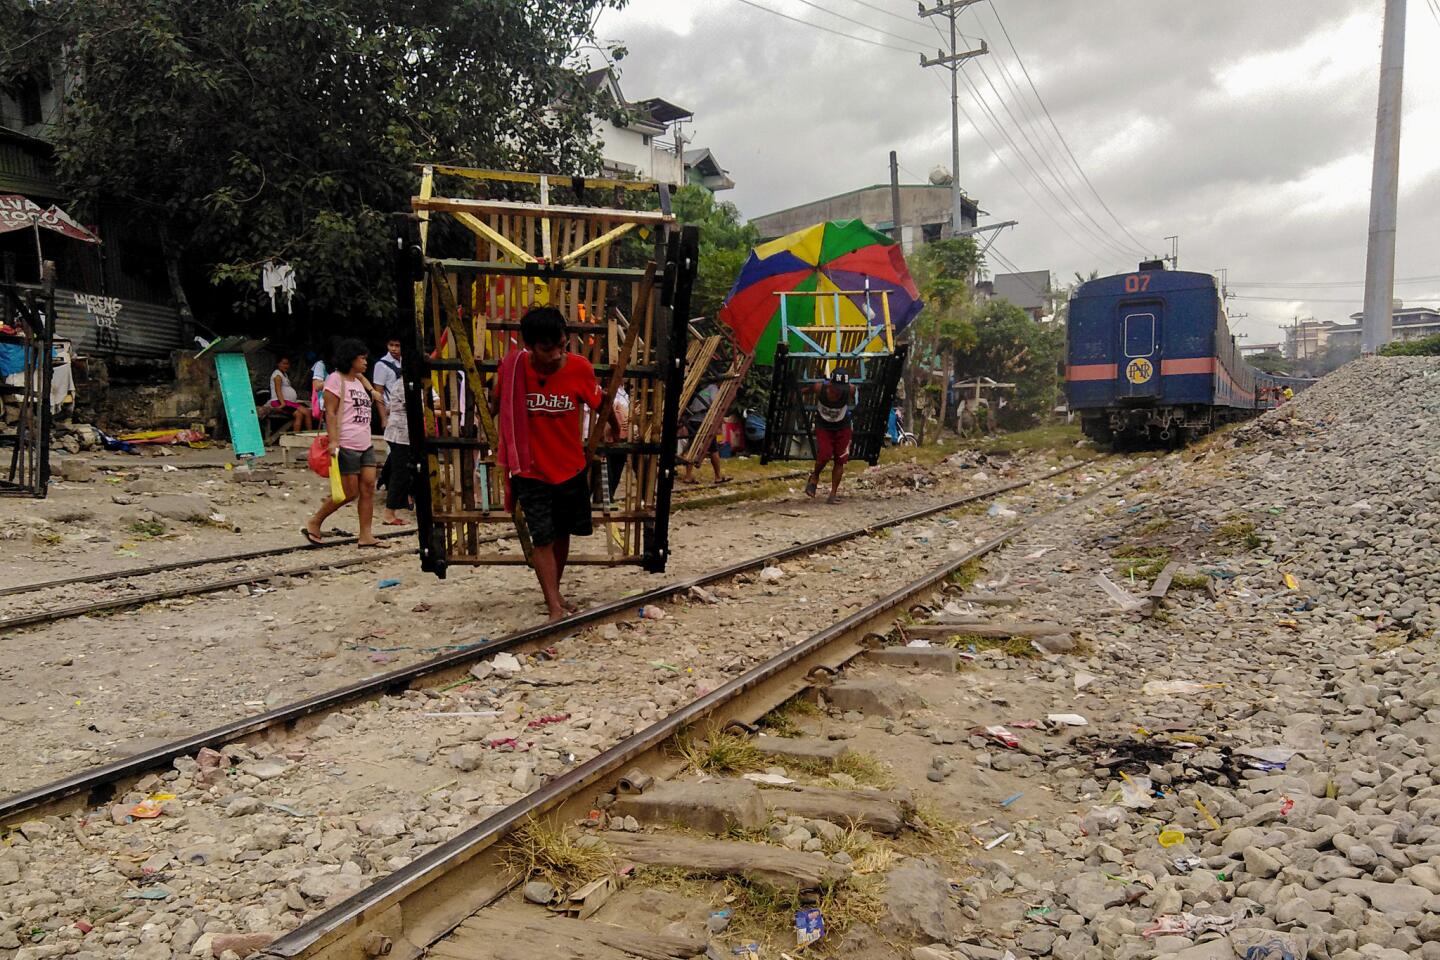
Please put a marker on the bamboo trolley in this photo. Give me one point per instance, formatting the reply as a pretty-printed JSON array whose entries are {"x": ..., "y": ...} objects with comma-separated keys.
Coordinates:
[
  {"x": 468, "y": 267},
  {"x": 30, "y": 313}
]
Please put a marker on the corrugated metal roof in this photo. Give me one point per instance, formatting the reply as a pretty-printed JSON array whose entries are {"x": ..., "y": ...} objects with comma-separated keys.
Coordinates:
[{"x": 112, "y": 327}]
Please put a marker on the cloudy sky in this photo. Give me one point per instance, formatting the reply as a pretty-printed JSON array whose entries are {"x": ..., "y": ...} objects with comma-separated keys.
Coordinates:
[{"x": 1243, "y": 126}]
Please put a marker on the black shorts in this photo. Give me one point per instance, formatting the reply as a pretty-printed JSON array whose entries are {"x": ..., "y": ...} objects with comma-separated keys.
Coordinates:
[{"x": 553, "y": 510}]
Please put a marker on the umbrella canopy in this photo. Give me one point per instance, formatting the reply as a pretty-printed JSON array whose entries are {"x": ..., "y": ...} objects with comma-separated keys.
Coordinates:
[
  {"x": 836, "y": 256},
  {"x": 22, "y": 213}
]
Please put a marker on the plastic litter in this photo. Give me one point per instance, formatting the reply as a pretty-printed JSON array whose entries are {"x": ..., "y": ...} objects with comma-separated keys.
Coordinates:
[
  {"x": 769, "y": 779},
  {"x": 1121, "y": 597},
  {"x": 1188, "y": 925},
  {"x": 651, "y": 613},
  {"x": 1001, "y": 511},
  {"x": 998, "y": 840},
  {"x": 387, "y": 583},
  {"x": 1209, "y": 817},
  {"x": 1135, "y": 792},
  {"x": 918, "y": 642},
  {"x": 1171, "y": 837},
  {"x": 999, "y": 734},
  {"x": 1011, "y": 799},
  {"x": 147, "y": 893},
  {"x": 147, "y": 809},
  {"x": 1187, "y": 864},
  {"x": 772, "y": 575},
  {"x": 1067, "y": 720},
  {"x": 809, "y": 926},
  {"x": 1100, "y": 819}
]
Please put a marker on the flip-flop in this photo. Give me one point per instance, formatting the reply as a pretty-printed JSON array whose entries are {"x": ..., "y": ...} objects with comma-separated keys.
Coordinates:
[
  {"x": 377, "y": 545},
  {"x": 811, "y": 489},
  {"x": 314, "y": 540},
  {"x": 397, "y": 522},
  {"x": 722, "y": 480}
]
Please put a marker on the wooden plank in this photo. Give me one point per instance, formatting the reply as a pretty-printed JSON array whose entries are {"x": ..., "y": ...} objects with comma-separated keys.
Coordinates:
[
  {"x": 756, "y": 862},
  {"x": 1162, "y": 582},
  {"x": 599, "y": 183},
  {"x": 611, "y": 236},
  {"x": 617, "y": 372},
  {"x": 483, "y": 229},
  {"x": 456, "y": 204},
  {"x": 999, "y": 630},
  {"x": 510, "y": 560}
]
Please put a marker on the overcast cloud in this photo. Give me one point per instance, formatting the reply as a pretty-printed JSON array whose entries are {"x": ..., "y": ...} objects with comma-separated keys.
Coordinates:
[{"x": 1244, "y": 126}]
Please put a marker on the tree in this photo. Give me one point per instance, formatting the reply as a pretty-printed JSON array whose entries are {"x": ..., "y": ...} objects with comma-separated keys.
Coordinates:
[
  {"x": 1420, "y": 347},
  {"x": 287, "y": 129},
  {"x": 1010, "y": 346},
  {"x": 1269, "y": 362},
  {"x": 943, "y": 272},
  {"x": 725, "y": 243}
]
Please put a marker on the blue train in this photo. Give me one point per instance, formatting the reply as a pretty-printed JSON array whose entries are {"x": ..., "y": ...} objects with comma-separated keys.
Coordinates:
[{"x": 1151, "y": 358}]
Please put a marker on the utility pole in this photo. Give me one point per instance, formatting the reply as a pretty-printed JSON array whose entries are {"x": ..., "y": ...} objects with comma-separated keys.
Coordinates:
[
  {"x": 952, "y": 61},
  {"x": 898, "y": 234},
  {"x": 1174, "y": 257},
  {"x": 1385, "y": 185}
]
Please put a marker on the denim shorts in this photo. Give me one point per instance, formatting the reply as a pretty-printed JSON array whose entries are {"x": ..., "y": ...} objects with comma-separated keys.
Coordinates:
[{"x": 353, "y": 461}]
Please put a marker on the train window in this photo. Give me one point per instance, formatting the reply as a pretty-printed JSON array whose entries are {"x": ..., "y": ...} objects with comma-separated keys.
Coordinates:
[{"x": 1139, "y": 334}]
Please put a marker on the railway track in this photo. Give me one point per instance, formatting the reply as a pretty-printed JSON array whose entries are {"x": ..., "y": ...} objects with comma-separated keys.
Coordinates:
[
  {"x": 89, "y": 594},
  {"x": 403, "y": 694},
  {"x": 414, "y": 910},
  {"x": 98, "y": 784}
]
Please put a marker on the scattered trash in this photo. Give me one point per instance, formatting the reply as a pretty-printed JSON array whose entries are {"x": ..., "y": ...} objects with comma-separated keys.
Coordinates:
[
  {"x": 1171, "y": 837},
  {"x": 662, "y": 665},
  {"x": 1121, "y": 597},
  {"x": 539, "y": 722},
  {"x": 1205, "y": 811},
  {"x": 1286, "y": 805},
  {"x": 746, "y": 950},
  {"x": 651, "y": 613},
  {"x": 998, "y": 840},
  {"x": 1135, "y": 792},
  {"x": 286, "y": 808},
  {"x": 1266, "y": 758},
  {"x": 769, "y": 779},
  {"x": 918, "y": 642},
  {"x": 505, "y": 664},
  {"x": 148, "y": 809},
  {"x": 1290, "y": 581},
  {"x": 719, "y": 921},
  {"x": 1187, "y": 864},
  {"x": 772, "y": 575},
  {"x": 1001, "y": 511},
  {"x": 1188, "y": 925},
  {"x": 999, "y": 734},
  {"x": 1011, "y": 799},
  {"x": 148, "y": 893},
  {"x": 388, "y": 582},
  {"x": 1067, "y": 720},
  {"x": 809, "y": 926}
]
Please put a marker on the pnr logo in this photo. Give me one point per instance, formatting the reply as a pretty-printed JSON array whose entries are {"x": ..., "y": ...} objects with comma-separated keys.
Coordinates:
[{"x": 1139, "y": 370}]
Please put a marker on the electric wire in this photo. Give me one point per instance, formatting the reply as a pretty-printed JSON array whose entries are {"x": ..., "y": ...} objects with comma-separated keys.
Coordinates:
[
  {"x": 1322, "y": 284},
  {"x": 1055, "y": 127},
  {"x": 860, "y": 23},
  {"x": 838, "y": 33}
]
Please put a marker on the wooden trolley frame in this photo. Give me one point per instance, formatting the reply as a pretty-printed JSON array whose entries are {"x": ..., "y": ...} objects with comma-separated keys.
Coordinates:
[
  {"x": 540, "y": 239},
  {"x": 30, "y": 312}
]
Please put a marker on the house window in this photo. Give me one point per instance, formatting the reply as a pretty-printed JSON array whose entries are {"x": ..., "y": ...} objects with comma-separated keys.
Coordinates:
[
  {"x": 645, "y": 140},
  {"x": 28, "y": 96},
  {"x": 930, "y": 232}
]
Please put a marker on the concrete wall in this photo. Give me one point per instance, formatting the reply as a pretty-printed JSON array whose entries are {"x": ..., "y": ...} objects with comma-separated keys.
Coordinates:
[
  {"x": 920, "y": 204},
  {"x": 627, "y": 150}
]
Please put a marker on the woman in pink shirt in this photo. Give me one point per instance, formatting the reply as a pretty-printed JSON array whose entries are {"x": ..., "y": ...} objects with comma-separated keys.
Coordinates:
[{"x": 347, "y": 420}]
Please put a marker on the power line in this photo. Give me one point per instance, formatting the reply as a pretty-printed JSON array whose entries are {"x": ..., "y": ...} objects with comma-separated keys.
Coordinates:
[
  {"x": 1020, "y": 154},
  {"x": 1020, "y": 182},
  {"x": 1099, "y": 229},
  {"x": 1053, "y": 126},
  {"x": 1320, "y": 284},
  {"x": 1238, "y": 296},
  {"x": 838, "y": 33},
  {"x": 861, "y": 23}
]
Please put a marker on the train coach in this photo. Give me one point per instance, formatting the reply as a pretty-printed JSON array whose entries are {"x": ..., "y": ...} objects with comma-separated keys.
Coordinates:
[{"x": 1151, "y": 359}]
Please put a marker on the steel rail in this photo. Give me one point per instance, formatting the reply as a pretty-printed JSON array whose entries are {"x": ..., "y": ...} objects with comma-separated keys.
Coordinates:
[
  {"x": 98, "y": 784},
  {"x": 187, "y": 564},
  {"x": 411, "y": 908}
]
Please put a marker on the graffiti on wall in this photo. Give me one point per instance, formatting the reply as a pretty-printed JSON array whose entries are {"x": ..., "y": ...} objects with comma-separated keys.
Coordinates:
[{"x": 104, "y": 313}]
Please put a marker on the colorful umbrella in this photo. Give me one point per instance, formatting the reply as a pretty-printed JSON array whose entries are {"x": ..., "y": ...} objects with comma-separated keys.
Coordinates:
[{"x": 845, "y": 255}]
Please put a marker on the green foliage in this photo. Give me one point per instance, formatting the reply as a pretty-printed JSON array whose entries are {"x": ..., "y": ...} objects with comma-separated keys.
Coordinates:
[
  {"x": 288, "y": 128},
  {"x": 1269, "y": 362},
  {"x": 943, "y": 271},
  {"x": 1013, "y": 348},
  {"x": 1423, "y": 347},
  {"x": 725, "y": 243}
]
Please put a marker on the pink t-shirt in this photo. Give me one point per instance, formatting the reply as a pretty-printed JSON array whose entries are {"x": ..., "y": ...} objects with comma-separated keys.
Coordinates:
[{"x": 354, "y": 411}]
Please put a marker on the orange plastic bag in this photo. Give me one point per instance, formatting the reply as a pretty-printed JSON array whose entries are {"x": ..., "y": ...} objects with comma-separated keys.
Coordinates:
[{"x": 319, "y": 456}]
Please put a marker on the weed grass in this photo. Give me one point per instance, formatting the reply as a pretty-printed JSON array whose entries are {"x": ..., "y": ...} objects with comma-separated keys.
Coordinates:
[
  {"x": 540, "y": 851},
  {"x": 720, "y": 752},
  {"x": 1140, "y": 562},
  {"x": 1239, "y": 533},
  {"x": 1013, "y": 646},
  {"x": 147, "y": 528},
  {"x": 783, "y": 721},
  {"x": 864, "y": 769}
]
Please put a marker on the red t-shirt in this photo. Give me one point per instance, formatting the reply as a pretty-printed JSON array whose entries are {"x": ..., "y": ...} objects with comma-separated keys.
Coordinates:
[{"x": 553, "y": 403}]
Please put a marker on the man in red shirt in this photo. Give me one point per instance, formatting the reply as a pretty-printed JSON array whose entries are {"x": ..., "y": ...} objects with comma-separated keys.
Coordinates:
[{"x": 540, "y": 392}]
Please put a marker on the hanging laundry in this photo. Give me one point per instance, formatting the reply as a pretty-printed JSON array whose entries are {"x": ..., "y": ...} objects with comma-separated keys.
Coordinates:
[{"x": 278, "y": 277}]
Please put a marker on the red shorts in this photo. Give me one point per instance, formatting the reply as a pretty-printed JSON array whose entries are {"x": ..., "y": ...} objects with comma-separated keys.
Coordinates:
[
  {"x": 832, "y": 445},
  {"x": 286, "y": 405}
]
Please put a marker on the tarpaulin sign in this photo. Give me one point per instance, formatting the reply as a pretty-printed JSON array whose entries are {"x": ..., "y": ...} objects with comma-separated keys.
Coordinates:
[{"x": 21, "y": 213}]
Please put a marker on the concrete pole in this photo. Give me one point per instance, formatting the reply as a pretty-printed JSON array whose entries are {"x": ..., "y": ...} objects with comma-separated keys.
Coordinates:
[
  {"x": 957, "y": 219},
  {"x": 899, "y": 234},
  {"x": 1385, "y": 185}
]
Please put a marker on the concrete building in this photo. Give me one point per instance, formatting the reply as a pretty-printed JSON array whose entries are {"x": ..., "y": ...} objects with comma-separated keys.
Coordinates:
[
  {"x": 1255, "y": 349},
  {"x": 925, "y": 213},
  {"x": 644, "y": 139},
  {"x": 1030, "y": 291},
  {"x": 1308, "y": 338}
]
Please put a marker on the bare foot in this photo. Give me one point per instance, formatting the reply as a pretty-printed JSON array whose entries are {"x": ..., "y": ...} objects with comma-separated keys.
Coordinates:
[
  {"x": 833, "y": 498},
  {"x": 373, "y": 544}
]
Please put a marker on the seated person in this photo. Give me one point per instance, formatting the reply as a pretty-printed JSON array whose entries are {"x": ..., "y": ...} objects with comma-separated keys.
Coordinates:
[{"x": 284, "y": 397}]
